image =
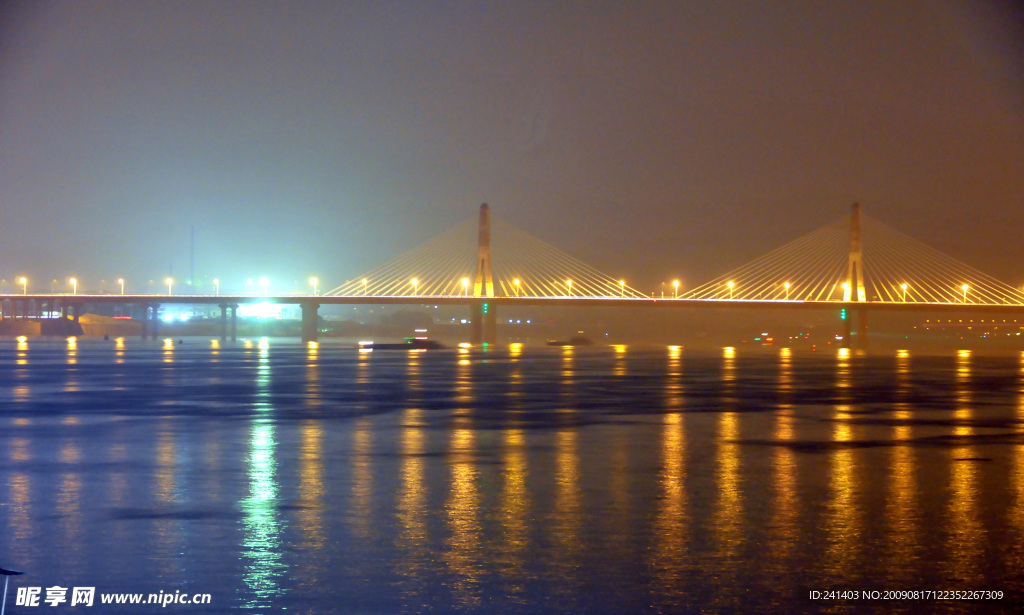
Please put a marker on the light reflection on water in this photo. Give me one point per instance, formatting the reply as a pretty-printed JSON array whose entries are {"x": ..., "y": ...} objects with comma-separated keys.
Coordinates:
[
  {"x": 262, "y": 554},
  {"x": 902, "y": 513},
  {"x": 965, "y": 537},
  {"x": 843, "y": 508},
  {"x": 611, "y": 479}
]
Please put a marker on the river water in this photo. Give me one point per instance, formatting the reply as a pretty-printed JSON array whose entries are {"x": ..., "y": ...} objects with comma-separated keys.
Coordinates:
[{"x": 282, "y": 477}]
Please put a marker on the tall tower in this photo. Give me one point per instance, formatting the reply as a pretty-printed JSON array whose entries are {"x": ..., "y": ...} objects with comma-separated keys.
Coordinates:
[
  {"x": 484, "y": 285},
  {"x": 855, "y": 271}
]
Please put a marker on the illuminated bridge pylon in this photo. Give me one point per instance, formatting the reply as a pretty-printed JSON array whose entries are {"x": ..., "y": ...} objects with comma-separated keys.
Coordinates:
[
  {"x": 485, "y": 257},
  {"x": 858, "y": 261}
]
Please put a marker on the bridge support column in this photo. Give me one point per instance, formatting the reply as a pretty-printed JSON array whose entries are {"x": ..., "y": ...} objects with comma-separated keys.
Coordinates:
[
  {"x": 150, "y": 320},
  {"x": 855, "y": 328},
  {"x": 310, "y": 321},
  {"x": 483, "y": 317},
  {"x": 223, "y": 322}
]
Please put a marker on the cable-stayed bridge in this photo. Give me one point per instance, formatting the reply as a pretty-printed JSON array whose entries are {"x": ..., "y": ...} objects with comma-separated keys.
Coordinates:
[
  {"x": 855, "y": 259},
  {"x": 857, "y": 263}
]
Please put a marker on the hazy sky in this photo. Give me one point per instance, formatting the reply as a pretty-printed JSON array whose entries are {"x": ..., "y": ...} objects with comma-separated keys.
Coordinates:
[{"x": 653, "y": 140}]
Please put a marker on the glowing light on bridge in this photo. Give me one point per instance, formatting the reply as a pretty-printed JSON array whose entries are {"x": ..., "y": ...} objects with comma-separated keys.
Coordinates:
[
  {"x": 813, "y": 268},
  {"x": 675, "y": 285},
  {"x": 170, "y": 285},
  {"x": 24, "y": 285},
  {"x": 263, "y": 310},
  {"x": 74, "y": 286},
  {"x": 314, "y": 282},
  {"x": 964, "y": 288},
  {"x": 216, "y": 287},
  {"x": 121, "y": 282},
  {"x": 265, "y": 283},
  {"x": 415, "y": 285}
]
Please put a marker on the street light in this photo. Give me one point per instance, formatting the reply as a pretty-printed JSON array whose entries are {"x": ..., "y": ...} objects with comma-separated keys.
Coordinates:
[
  {"x": 622, "y": 288},
  {"x": 964, "y": 288},
  {"x": 24, "y": 285},
  {"x": 313, "y": 281},
  {"x": 568, "y": 288},
  {"x": 169, "y": 282},
  {"x": 787, "y": 290},
  {"x": 516, "y": 283},
  {"x": 904, "y": 287},
  {"x": 121, "y": 282},
  {"x": 465, "y": 287},
  {"x": 730, "y": 289},
  {"x": 74, "y": 286},
  {"x": 415, "y": 283},
  {"x": 264, "y": 282},
  {"x": 216, "y": 287},
  {"x": 365, "y": 282},
  {"x": 675, "y": 284}
]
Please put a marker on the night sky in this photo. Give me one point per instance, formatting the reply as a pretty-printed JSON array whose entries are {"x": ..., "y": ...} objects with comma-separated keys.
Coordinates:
[{"x": 652, "y": 140}]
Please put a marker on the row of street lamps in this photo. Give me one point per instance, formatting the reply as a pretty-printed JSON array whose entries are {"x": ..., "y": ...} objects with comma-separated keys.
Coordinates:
[{"x": 314, "y": 282}]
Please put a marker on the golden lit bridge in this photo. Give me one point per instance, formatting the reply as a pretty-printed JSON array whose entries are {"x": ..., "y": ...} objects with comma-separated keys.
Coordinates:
[{"x": 856, "y": 263}]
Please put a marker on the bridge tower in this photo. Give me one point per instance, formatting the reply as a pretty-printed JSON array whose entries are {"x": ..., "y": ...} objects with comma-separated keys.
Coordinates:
[
  {"x": 855, "y": 270},
  {"x": 483, "y": 314},
  {"x": 484, "y": 285},
  {"x": 854, "y": 289}
]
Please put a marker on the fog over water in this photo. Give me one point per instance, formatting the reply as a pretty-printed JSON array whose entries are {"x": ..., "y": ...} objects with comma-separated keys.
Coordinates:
[{"x": 607, "y": 479}]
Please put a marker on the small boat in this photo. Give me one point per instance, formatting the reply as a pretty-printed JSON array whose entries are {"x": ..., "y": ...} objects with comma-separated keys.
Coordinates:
[
  {"x": 410, "y": 343},
  {"x": 576, "y": 340}
]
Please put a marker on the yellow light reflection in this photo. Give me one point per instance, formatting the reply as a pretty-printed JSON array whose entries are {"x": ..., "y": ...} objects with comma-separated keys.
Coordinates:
[
  {"x": 362, "y": 477},
  {"x": 566, "y": 522},
  {"x": 966, "y": 534},
  {"x": 619, "y": 369},
  {"x": 674, "y": 379},
  {"x": 19, "y": 450},
  {"x": 69, "y": 496},
  {"x": 1016, "y": 514},
  {"x": 464, "y": 519},
  {"x": 311, "y": 491},
  {"x": 901, "y": 505},
  {"x": 515, "y": 501},
  {"x": 22, "y": 351},
  {"x": 784, "y": 465},
  {"x": 168, "y": 350},
  {"x": 411, "y": 509},
  {"x": 20, "y": 525},
  {"x": 843, "y": 513},
  {"x": 669, "y": 555},
  {"x": 728, "y": 514},
  {"x": 72, "y": 359}
]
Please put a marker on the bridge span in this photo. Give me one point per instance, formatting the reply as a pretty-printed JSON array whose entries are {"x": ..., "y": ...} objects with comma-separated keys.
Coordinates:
[{"x": 483, "y": 310}]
